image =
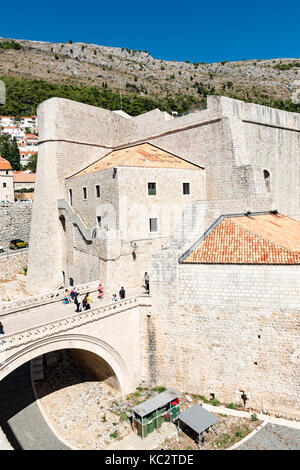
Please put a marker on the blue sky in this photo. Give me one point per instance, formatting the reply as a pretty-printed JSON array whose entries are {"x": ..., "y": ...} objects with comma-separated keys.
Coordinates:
[{"x": 192, "y": 30}]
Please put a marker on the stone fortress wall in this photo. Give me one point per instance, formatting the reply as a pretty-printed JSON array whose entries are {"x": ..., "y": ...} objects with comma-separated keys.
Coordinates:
[
  {"x": 234, "y": 141},
  {"x": 15, "y": 221},
  {"x": 229, "y": 333}
]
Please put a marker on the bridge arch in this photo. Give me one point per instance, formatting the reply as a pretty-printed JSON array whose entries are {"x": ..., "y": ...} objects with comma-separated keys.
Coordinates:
[{"x": 71, "y": 341}]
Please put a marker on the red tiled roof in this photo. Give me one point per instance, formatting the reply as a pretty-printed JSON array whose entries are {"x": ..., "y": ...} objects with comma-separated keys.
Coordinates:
[
  {"x": 257, "y": 239},
  {"x": 31, "y": 136},
  {"x": 22, "y": 177},
  {"x": 4, "y": 164}
]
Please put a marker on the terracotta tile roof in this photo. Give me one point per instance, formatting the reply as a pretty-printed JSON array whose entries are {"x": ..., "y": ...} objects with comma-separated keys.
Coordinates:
[
  {"x": 4, "y": 164},
  {"x": 257, "y": 239},
  {"x": 31, "y": 136},
  {"x": 143, "y": 155},
  {"x": 22, "y": 177}
]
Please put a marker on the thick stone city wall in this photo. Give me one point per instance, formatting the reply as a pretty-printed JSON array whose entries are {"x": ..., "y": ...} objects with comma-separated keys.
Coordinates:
[
  {"x": 226, "y": 350},
  {"x": 12, "y": 265},
  {"x": 226, "y": 329},
  {"x": 15, "y": 222},
  {"x": 221, "y": 139}
]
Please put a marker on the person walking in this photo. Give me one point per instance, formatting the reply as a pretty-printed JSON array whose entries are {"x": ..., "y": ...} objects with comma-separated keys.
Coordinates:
[
  {"x": 101, "y": 291},
  {"x": 77, "y": 302},
  {"x": 67, "y": 298},
  {"x": 87, "y": 301},
  {"x": 1, "y": 332},
  {"x": 146, "y": 279},
  {"x": 122, "y": 293},
  {"x": 114, "y": 298}
]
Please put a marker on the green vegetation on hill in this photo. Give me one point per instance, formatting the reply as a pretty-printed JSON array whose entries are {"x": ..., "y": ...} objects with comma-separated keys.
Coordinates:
[
  {"x": 287, "y": 66},
  {"x": 24, "y": 95},
  {"x": 10, "y": 45}
]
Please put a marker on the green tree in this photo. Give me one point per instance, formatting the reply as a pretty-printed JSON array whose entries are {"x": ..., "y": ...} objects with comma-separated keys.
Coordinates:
[
  {"x": 31, "y": 165},
  {"x": 10, "y": 151}
]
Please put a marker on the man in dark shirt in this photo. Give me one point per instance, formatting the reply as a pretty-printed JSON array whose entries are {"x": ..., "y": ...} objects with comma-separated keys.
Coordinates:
[{"x": 122, "y": 293}]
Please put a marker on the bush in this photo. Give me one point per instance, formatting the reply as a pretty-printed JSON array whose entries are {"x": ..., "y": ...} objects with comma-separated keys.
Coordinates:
[
  {"x": 254, "y": 417},
  {"x": 231, "y": 405},
  {"x": 214, "y": 402},
  {"x": 10, "y": 45}
]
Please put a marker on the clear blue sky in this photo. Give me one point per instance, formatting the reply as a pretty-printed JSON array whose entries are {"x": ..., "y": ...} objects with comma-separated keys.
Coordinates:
[{"x": 192, "y": 30}]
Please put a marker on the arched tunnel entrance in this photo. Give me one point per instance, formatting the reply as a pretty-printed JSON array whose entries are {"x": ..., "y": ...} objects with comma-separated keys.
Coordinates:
[{"x": 59, "y": 400}]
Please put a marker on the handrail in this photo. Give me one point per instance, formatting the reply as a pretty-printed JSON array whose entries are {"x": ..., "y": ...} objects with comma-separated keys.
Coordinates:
[
  {"x": 76, "y": 219},
  {"x": 47, "y": 329},
  {"x": 42, "y": 299}
]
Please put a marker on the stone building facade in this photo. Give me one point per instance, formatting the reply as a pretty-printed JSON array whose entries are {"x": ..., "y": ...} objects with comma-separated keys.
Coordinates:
[
  {"x": 128, "y": 211},
  {"x": 250, "y": 154},
  {"x": 226, "y": 314},
  {"x": 6, "y": 181}
]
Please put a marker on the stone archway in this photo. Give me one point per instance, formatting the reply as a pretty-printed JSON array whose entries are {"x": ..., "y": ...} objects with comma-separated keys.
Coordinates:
[{"x": 107, "y": 356}]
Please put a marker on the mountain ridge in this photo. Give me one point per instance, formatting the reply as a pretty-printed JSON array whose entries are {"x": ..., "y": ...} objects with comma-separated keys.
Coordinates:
[{"x": 271, "y": 82}]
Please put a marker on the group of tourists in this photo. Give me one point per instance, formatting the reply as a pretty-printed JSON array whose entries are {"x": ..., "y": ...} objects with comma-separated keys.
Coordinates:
[
  {"x": 84, "y": 303},
  {"x": 81, "y": 302}
]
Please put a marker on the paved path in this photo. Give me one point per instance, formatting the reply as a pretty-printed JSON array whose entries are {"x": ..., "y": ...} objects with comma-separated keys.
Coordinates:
[
  {"x": 273, "y": 437},
  {"x": 9, "y": 252},
  {"x": 20, "y": 321},
  {"x": 20, "y": 416}
]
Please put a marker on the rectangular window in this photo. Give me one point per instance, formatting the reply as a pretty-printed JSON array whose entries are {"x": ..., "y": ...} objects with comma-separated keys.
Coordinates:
[
  {"x": 186, "y": 188},
  {"x": 84, "y": 193},
  {"x": 153, "y": 225},
  {"x": 70, "y": 197},
  {"x": 99, "y": 222},
  {"x": 4, "y": 185},
  {"x": 97, "y": 190},
  {"x": 152, "y": 189}
]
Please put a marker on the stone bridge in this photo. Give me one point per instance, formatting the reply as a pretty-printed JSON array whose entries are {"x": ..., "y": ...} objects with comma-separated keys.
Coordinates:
[{"x": 112, "y": 332}]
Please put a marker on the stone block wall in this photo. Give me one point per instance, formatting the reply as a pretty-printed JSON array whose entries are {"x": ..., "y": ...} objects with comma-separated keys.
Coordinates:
[
  {"x": 226, "y": 329},
  {"x": 226, "y": 350},
  {"x": 12, "y": 265},
  {"x": 15, "y": 222}
]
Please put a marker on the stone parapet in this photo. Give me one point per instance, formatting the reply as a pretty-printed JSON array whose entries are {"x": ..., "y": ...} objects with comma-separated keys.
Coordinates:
[{"x": 7, "y": 308}]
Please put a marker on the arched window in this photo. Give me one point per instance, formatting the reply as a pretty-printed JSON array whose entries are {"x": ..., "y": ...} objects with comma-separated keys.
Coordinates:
[
  {"x": 267, "y": 180},
  {"x": 63, "y": 222}
]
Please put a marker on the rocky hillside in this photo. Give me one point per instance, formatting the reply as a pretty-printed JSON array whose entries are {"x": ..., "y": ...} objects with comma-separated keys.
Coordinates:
[{"x": 271, "y": 82}]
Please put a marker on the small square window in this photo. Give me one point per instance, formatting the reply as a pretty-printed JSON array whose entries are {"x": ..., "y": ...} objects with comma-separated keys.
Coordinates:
[
  {"x": 152, "y": 189},
  {"x": 153, "y": 225},
  {"x": 186, "y": 188},
  {"x": 84, "y": 193},
  {"x": 97, "y": 190}
]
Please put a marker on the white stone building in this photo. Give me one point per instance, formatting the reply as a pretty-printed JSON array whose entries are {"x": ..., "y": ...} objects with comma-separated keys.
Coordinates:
[
  {"x": 128, "y": 202},
  {"x": 6, "y": 181}
]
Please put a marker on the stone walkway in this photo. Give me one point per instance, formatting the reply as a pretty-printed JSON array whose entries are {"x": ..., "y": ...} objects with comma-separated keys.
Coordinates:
[
  {"x": 273, "y": 434},
  {"x": 36, "y": 316},
  {"x": 272, "y": 437},
  {"x": 20, "y": 416}
]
